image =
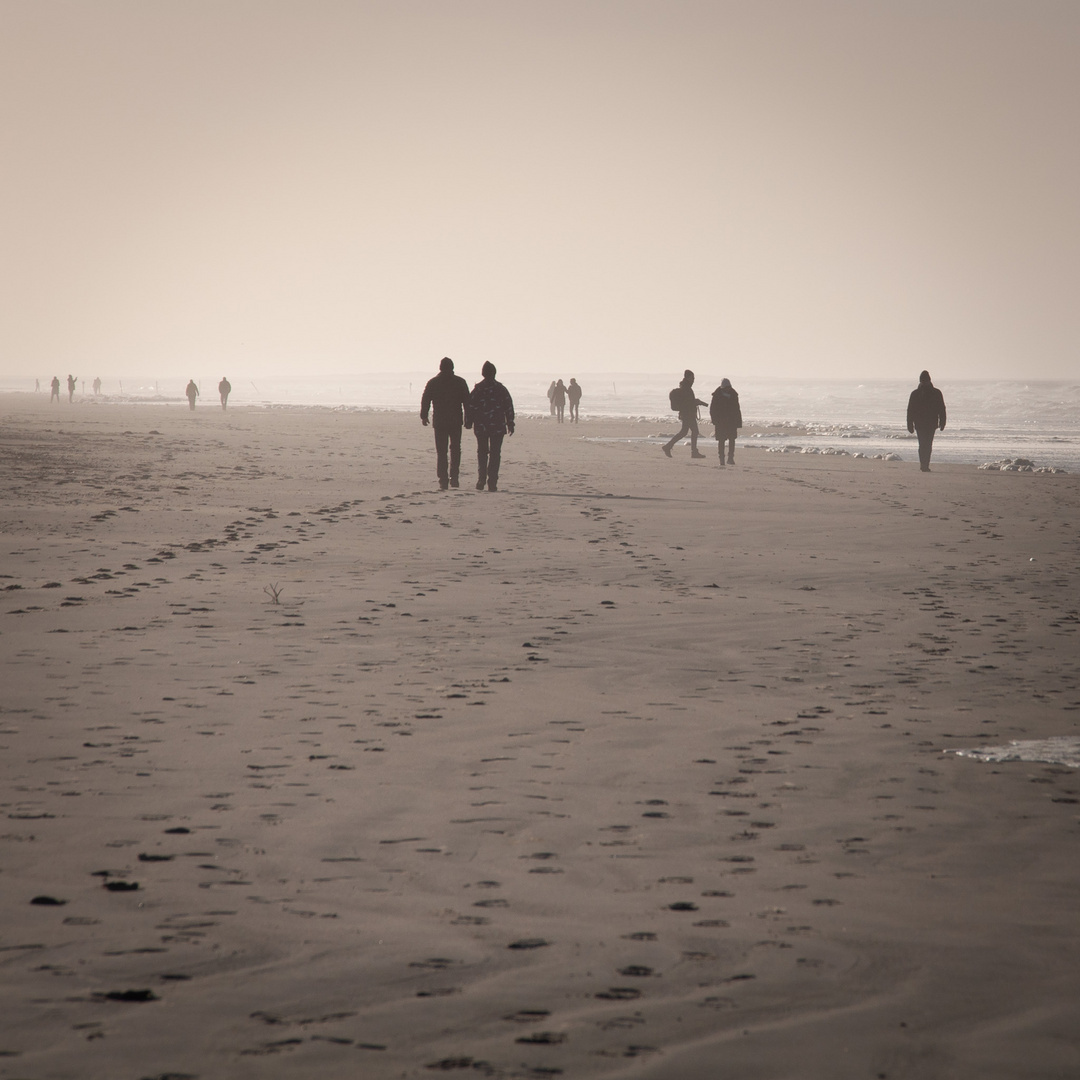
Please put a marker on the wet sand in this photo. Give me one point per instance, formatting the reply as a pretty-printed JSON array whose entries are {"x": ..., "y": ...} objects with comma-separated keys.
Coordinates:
[{"x": 636, "y": 768}]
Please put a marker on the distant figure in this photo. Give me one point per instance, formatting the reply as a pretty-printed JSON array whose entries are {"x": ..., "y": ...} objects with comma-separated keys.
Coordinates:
[
  {"x": 224, "y": 388},
  {"x": 192, "y": 392},
  {"x": 71, "y": 388},
  {"x": 37, "y": 386},
  {"x": 573, "y": 395},
  {"x": 684, "y": 402},
  {"x": 558, "y": 399},
  {"x": 925, "y": 415},
  {"x": 55, "y": 384},
  {"x": 97, "y": 386},
  {"x": 727, "y": 417},
  {"x": 449, "y": 394},
  {"x": 492, "y": 411},
  {"x": 551, "y": 398}
]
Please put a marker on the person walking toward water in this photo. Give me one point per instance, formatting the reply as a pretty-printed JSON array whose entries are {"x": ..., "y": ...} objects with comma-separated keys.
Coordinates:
[
  {"x": 55, "y": 385},
  {"x": 684, "y": 402},
  {"x": 925, "y": 416},
  {"x": 224, "y": 388},
  {"x": 573, "y": 395},
  {"x": 97, "y": 385},
  {"x": 558, "y": 399},
  {"x": 192, "y": 392},
  {"x": 449, "y": 395},
  {"x": 492, "y": 411},
  {"x": 726, "y": 417},
  {"x": 71, "y": 388}
]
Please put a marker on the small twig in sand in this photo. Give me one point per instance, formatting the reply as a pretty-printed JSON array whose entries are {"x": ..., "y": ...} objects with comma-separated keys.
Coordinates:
[{"x": 273, "y": 591}]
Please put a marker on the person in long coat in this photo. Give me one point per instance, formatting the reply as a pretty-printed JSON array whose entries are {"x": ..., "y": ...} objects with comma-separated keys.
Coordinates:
[{"x": 726, "y": 416}]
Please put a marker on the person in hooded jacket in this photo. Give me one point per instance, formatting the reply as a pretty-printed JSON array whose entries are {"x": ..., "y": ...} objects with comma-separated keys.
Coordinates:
[
  {"x": 726, "y": 417},
  {"x": 925, "y": 416},
  {"x": 449, "y": 395},
  {"x": 493, "y": 417}
]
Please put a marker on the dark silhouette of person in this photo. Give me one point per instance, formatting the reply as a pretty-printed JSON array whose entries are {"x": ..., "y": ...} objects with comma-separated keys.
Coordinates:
[
  {"x": 71, "y": 388},
  {"x": 558, "y": 399},
  {"x": 97, "y": 386},
  {"x": 726, "y": 416},
  {"x": 55, "y": 385},
  {"x": 224, "y": 388},
  {"x": 192, "y": 392},
  {"x": 685, "y": 404},
  {"x": 573, "y": 395},
  {"x": 925, "y": 416},
  {"x": 492, "y": 417},
  {"x": 449, "y": 395},
  {"x": 551, "y": 397}
]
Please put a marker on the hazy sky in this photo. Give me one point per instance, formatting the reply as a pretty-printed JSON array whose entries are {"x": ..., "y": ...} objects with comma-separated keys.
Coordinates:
[{"x": 776, "y": 187}]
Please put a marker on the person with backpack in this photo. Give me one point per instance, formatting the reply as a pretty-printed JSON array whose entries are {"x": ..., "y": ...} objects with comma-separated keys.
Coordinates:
[
  {"x": 684, "y": 402},
  {"x": 726, "y": 417}
]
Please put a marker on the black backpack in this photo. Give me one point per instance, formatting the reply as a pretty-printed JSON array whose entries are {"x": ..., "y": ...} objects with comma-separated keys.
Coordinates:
[{"x": 675, "y": 398}]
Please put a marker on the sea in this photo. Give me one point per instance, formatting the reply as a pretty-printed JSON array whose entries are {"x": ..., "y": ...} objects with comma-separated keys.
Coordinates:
[{"x": 989, "y": 421}]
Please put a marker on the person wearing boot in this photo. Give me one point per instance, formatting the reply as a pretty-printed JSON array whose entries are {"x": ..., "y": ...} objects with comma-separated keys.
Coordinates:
[
  {"x": 684, "y": 402},
  {"x": 726, "y": 417}
]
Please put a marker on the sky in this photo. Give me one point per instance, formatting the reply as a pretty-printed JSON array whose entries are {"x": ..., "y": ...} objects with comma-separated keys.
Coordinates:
[{"x": 771, "y": 187}]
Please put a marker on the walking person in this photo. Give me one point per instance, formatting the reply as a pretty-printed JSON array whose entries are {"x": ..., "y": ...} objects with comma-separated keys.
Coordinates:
[
  {"x": 573, "y": 395},
  {"x": 449, "y": 395},
  {"x": 55, "y": 389},
  {"x": 925, "y": 416},
  {"x": 192, "y": 393},
  {"x": 492, "y": 411},
  {"x": 558, "y": 399},
  {"x": 551, "y": 397},
  {"x": 684, "y": 402},
  {"x": 224, "y": 388},
  {"x": 71, "y": 389},
  {"x": 726, "y": 415}
]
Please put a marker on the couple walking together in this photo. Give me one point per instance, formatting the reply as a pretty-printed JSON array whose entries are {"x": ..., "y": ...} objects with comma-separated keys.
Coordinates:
[
  {"x": 724, "y": 411},
  {"x": 488, "y": 410}
]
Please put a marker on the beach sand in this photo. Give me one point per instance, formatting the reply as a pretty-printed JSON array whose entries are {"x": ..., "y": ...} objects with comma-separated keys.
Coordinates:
[{"x": 636, "y": 768}]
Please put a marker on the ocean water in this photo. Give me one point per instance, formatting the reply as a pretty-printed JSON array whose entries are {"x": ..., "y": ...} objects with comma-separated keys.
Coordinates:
[{"x": 988, "y": 421}]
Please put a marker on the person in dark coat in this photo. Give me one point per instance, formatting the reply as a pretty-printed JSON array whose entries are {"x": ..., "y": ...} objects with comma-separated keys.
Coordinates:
[
  {"x": 224, "y": 388},
  {"x": 55, "y": 390},
  {"x": 192, "y": 393},
  {"x": 685, "y": 404},
  {"x": 493, "y": 417},
  {"x": 558, "y": 399},
  {"x": 449, "y": 394},
  {"x": 925, "y": 416},
  {"x": 71, "y": 388},
  {"x": 573, "y": 395},
  {"x": 727, "y": 418}
]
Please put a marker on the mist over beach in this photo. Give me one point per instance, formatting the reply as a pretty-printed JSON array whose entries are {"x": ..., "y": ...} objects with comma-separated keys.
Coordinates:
[{"x": 592, "y": 751}]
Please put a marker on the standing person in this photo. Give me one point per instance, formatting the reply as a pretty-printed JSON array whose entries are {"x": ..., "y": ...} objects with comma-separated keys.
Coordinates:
[
  {"x": 55, "y": 386},
  {"x": 573, "y": 394},
  {"x": 224, "y": 388},
  {"x": 449, "y": 394},
  {"x": 97, "y": 385},
  {"x": 551, "y": 398},
  {"x": 493, "y": 417},
  {"x": 192, "y": 392},
  {"x": 925, "y": 415},
  {"x": 685, "y": 404},
  {"x": 558, "y": 399},
  {"x": 71, "y": 388},
  {"x": 727, "y": 417}
]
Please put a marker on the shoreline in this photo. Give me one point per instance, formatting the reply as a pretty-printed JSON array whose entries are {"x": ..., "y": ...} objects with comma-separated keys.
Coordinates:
[{"x": 637, "y": 767}]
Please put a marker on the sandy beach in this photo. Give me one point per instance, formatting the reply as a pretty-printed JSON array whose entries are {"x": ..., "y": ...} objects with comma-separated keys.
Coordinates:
[{"x": 636, "y": 768}]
